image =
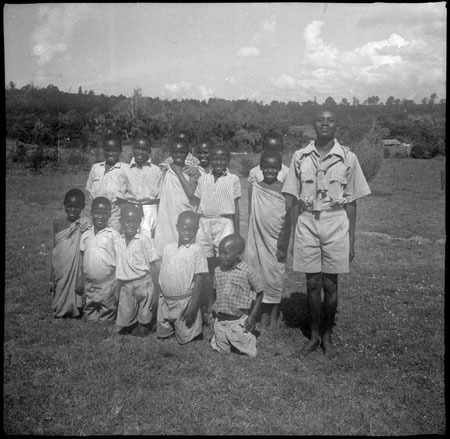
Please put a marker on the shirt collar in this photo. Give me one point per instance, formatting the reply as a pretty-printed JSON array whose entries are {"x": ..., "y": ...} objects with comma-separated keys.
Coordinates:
[
  {"x": 134, "y": 164},
  {"x": 116, "y": 165},
  {"x": 226, "y": 172},
  {"x": 337, "y": 149}
]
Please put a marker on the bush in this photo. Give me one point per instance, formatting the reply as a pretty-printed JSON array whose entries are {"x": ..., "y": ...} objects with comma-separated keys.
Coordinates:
[
  {"x": 422, "y": 152},
  {"x": 77, "y": 158},
  {"x": 241, "y": 164},
  {"x": 370, "y": 152}
]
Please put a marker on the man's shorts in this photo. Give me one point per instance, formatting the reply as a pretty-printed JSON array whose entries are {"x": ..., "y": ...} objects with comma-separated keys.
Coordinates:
[
  {"x": 211, "y": 231},
  {"x": 101, "y": 303},
  {"x": 134, "y": 302},
  {"x": 229, "y": 333},
  {"x": 169, "y": 320},
  {"x": 321, "y": 242}
]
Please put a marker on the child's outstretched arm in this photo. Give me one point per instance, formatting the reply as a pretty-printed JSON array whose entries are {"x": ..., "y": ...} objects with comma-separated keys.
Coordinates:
[
  {"x": 190, "y": 313},
  {"x": 285, "y": 234},
  {"x": 249, "y": 202},
  {"x": 250, "y": 322}
]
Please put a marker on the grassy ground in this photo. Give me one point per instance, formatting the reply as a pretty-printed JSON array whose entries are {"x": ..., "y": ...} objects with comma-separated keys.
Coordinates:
[{"x": 72, "y": 377}]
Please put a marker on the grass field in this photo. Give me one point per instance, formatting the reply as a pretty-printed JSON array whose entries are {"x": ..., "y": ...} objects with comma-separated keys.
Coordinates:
[{"x": 70, "y": 377}]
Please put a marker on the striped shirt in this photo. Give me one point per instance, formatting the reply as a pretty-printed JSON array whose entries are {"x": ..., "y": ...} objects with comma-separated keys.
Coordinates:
[
  {"x": 104, "y": 183},
  {"x": 256, "y": 176},
  {"x": 133, "y": 260},
  {"x": 178, "y": 266},
  {"x": 217, "y": 197},
  {"x": 99, "y": 258},
  {"x": 140, "y": 184},
  {"x": 235, "y": 289}
]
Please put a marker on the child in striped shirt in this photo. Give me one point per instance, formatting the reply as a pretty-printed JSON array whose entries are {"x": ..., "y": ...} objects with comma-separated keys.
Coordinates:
[{"x": 218, "y": 193}]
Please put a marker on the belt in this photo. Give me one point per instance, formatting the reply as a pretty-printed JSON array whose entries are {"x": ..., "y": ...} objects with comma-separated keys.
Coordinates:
[
  {"x": 145, "y": 203},
  {"x": 225, "y": 215},
  {"x": 318, "y": 213},
  {"x": 222, "y": 316}
]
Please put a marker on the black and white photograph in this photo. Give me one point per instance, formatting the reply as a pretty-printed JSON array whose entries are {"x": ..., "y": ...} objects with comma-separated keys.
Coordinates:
[{"x": 224, "y": 219}]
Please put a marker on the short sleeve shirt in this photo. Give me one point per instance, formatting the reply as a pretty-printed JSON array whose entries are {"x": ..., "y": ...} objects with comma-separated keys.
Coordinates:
[
  {"x": 235, "y": 289},
  {"x": 99, "y": 258},
  {"x": 140, "y": 184},
  {"x": 133, "y": 260},
  {"x": 256, "y": 176},
  {"x": 218, "y": 197},
  {"x": 337, "y": 178},
  {"x": 179, "y": 264},
  {"x": 105, "y": 183}
]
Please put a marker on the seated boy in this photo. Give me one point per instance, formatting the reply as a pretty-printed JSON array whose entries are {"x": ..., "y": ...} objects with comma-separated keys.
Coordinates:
[
  {"x": 177, "y": 194},
  {"x": 234, "y": 286},
  {"x": 104, "y": 177},
  {"x": 218, "y": 193},
  {"x": 66, "y": 278},
  {"x": 98, "y": 247},
  {"x": 268, "y": 236},
  {"x": 140, "y": 184},
  {"x": 136, "y": 274},
  {"x": 182, "y": 266}
]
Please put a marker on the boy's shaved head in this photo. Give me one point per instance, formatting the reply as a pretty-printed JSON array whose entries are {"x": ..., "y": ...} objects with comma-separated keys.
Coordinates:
[
  {"x": 112, "y": 142},
  {"x": 236, "y": 242},
  {"x": 205, "y": 141},
  {"x": 270, "y": 155},
  {"x": 221, "y": 148},
  {"x": 142, "y": 141},
  {"x": 188, "y": 218},
  {"x": 75, "y": 194},
  {"x": 101, "y": 201},
  {"x": 272, "y": 137},
  {"x": 326, "y": 110},
  {"x": 130, "y": 209},
  {"x": 175, "y": 142}
]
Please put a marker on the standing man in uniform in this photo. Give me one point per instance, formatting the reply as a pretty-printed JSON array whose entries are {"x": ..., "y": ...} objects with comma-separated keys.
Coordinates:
[{"x": 325, "y": 179}]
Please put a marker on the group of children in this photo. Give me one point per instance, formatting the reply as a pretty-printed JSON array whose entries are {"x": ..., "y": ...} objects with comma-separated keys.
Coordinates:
[{"x": 162, "y": 248}]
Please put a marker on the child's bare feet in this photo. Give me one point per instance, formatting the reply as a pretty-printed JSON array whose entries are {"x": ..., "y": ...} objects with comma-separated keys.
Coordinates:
[
  {"x": 328, "y": 348},
  {"x": 264, "y": 321}
]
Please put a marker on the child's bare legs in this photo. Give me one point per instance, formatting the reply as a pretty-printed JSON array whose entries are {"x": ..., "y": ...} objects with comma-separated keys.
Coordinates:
[
  {"x": 269, "y": 316},
  {"x": 313, "y": 290},
  {"x": 274, "y": 315},
  {"x": 207, "y": 290},
  {"x": 330, "y": 290}
]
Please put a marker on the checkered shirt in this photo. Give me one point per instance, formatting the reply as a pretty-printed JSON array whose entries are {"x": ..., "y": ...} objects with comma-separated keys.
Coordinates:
[{"x": 235, "y": 289}]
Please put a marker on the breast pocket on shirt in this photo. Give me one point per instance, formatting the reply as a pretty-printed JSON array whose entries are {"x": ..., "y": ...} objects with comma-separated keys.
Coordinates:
[
  {"x": 337, "y": 183},
  {"x": 308, "y": 180}
]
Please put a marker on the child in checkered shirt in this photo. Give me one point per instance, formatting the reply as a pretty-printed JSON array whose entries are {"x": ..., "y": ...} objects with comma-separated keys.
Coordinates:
[{"x": 234, "y": 309}]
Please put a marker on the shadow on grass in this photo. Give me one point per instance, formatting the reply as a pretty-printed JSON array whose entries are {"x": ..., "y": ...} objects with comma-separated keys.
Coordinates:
[{"x": 295, "y": 312}]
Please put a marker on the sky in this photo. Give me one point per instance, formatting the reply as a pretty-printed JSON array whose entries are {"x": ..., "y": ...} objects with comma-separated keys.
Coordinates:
[{"x": 258, "y": 51}]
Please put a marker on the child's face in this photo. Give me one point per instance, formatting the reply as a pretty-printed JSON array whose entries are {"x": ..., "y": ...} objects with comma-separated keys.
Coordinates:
[
  {"x": 179, "y": 153},
  {"x": 130, "y": 224},
  {"x": 270, "y": 169},
  {"x": 228, "y": 255},
  {"x": 203, "y": 154},
  {"x": 100, "y": 216},
  {"x": 325, "y": 125},
  {"x": 111, "y": 156},
  {"x": 187, "y": 230},
  {"x": 141, "y": 154},
  {"x": 73, "y": 207},
  {"x": 219, "y": 161}
]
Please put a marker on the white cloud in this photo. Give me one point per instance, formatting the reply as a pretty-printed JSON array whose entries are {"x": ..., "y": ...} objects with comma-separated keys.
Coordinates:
[
  {"x": 55, "y": 26},
  {"x": 180, "y": 90},
  {"x": 284, "y": 82},
  {"x": 393, "y": 64},
  {"x": 205, "y": 92},
  {"x": 249, "y": 52},
  {"x": 231, "y": 80},
  {"x": 266, "y": 28}
]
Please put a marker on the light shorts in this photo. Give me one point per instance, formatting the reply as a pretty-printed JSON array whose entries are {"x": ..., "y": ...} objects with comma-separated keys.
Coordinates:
[
  {"x": 134, "y": 302},
  {"x": 229, "y": 333},
  {"x": 321, "y": 244},
  {"x": 211, "y": 231},
  {"x": 148, "y": 221},
  {"x": 169, "y": 320},
  {"x": 101, "y": 303}
]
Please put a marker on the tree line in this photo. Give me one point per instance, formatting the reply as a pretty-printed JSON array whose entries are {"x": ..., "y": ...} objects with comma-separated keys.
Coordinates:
[{"x": 49, "y": 117}]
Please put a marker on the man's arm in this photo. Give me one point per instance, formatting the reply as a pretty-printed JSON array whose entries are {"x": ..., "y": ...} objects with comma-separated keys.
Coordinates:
[
  {"x": 250, "y": 193},
  {"x": 236, "y": 217},
  {"x": 350, "y": 209},
  {"x": 188, "y": 186}
]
